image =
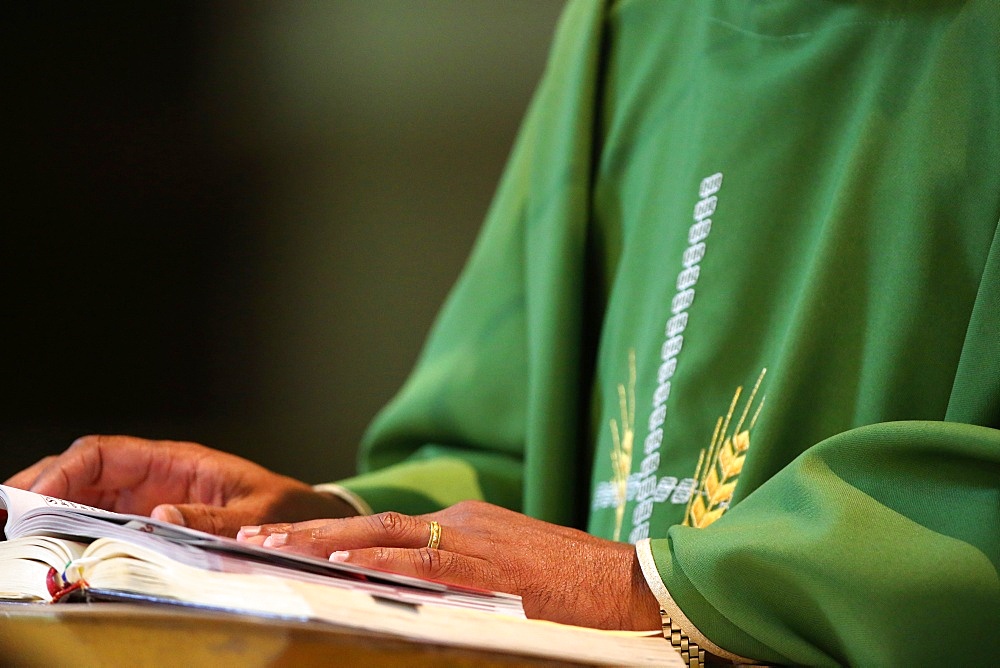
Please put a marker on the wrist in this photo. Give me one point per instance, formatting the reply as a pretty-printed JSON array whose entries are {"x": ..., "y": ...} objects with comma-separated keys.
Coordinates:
[
  {"x": 645, "y": 609},
  {"x": 297, "y": 501},
  {"x": 348, "y": 503}
]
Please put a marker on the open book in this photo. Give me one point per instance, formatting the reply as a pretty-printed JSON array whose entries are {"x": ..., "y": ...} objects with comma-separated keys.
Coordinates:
[
  {"x": 123, "y": 544},
  {"x": 57, "y": 550}
]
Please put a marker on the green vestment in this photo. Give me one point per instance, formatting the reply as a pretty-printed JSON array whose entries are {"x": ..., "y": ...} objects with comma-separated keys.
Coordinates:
[{"x": 739, "y": 294}]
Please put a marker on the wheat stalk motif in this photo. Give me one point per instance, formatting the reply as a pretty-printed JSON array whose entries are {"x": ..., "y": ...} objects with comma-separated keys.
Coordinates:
[
  {"x": 720, "y": 465},
  {"x": 623, "y": 439}
]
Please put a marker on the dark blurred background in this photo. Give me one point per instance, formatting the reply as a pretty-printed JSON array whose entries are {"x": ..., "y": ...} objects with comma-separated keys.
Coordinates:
[{"x": 233, "y": 222}]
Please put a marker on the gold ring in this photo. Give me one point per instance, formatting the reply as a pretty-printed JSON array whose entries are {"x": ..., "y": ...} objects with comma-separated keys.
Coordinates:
[{"x": 435, "y": 540}]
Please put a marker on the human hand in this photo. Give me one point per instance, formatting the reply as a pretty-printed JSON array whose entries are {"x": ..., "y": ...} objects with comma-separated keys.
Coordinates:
[
  {"x": 562, "y": 574},
  {"x": 181, "y": 483}
]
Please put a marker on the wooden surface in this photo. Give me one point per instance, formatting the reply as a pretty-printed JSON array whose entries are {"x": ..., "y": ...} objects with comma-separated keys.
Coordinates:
[{"x": 115, "y": 634}]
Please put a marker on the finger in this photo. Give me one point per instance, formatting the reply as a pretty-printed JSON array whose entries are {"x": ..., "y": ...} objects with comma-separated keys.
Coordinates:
[
  {"x": 321, "y": 537},
  {"x": 95, "y": 463},
  {"x": 218, "y": 520},
  {"x": 24, "y": 479},
  {"x": 127, "y": 474},
  {"x": 426, "y": 563},
  {"x": 257, "y": 534}
]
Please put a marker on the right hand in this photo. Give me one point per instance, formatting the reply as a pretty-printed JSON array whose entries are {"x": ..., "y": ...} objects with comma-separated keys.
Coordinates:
[{"x": 181, "y": 483}]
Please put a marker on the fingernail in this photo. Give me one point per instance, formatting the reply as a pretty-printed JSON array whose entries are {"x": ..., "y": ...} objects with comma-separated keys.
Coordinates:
[
  {"x": 170, "y": 514},
  {"x": 247, "y": 532},
  {"x": 276, "y": 540},
  {"x": 339, "y": 556}
]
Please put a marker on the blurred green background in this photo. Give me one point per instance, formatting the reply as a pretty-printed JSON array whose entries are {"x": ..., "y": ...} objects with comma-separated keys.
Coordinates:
[{"x": 233, "y": 222}]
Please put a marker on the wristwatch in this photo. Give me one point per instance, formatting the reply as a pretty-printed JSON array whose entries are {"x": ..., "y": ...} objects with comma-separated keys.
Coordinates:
[{"x": 692, "y": 655}]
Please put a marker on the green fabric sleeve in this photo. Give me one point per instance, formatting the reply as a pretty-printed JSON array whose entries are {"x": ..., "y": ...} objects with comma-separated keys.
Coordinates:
[
  {"x": 877, "y": 546},
  {"x": 436, "y": 477},
  {"x": 893, "y": 521}
]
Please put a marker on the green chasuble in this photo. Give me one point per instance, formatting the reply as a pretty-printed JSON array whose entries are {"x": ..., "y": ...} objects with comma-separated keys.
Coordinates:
[{"x": 738, "y": 301}]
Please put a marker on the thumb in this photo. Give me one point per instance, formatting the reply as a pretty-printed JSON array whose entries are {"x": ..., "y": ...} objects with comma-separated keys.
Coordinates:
[{"x": 210, "y": 519}]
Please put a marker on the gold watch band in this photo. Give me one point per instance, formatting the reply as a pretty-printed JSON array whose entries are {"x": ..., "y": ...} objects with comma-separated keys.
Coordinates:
[{"x": 692, "y": 655}]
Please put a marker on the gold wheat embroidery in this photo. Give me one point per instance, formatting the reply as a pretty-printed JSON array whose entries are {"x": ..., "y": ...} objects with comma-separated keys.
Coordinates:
[
  {"x": 622, "y": 440},
  {"x": 720, "y": 465}
]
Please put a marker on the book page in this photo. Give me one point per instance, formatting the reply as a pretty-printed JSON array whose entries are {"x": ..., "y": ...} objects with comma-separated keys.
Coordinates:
[
  {"x": 17, "y": 502},
  {"x": 25, "y": 564},
  {"x": 169, "y": 561}
]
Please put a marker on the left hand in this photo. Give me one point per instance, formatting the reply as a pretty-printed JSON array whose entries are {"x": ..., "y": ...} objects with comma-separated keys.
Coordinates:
[
  {"x": 562, "y": 574},
  {"x": 181, "y": 483}
]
